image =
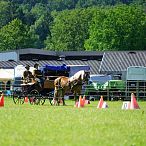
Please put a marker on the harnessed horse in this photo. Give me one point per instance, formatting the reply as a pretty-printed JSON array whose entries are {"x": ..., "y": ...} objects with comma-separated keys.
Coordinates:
[{"x": 74, "y": 84}]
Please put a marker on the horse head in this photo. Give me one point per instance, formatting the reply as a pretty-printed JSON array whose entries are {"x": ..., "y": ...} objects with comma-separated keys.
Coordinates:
[{"x": 86, "y": 76}]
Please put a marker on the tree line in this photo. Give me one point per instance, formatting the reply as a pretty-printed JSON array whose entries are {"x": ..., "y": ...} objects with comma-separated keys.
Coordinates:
[{"x": 66, "y": 25}]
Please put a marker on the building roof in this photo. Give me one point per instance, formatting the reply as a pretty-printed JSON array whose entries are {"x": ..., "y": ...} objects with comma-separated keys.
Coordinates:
[
  {"x": 40, "y": 54},
  {"x": 57, "y": 53},
  {"x": 118, "y": 61},
  {"x": 36, "y": 51},
  {"x": 80, "y": 53},
  {"x": 94, "y": 64},
  {"x": 112, "y": 62}
]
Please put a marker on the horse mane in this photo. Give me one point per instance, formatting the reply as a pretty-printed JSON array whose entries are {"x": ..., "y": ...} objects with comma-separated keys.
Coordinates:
[{"x": 77, "y": 75}]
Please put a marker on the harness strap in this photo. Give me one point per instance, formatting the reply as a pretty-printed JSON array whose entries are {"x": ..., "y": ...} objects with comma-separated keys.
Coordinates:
[{"x": 76, "y": 83}]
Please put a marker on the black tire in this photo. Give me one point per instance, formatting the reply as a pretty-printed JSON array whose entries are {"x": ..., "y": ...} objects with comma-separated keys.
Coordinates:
[
  {"x": 33, "y": 99},
  {"x": 51, "y": 96},
  {"x": 17, "y": 97},
  {"x": 42, "y": 100},
  {"x": 50, "y": 100}
]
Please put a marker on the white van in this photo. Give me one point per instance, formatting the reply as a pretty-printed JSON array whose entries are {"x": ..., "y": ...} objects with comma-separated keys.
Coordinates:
[
  {"x": 94, "y": 82},
  {"x": 99, "y": 78}
]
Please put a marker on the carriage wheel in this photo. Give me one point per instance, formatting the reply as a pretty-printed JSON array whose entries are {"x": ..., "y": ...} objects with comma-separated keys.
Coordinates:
[
  {"x": 17, "y": 97},
  {"x": 51, "y": 101},
  {"x": 51, "y": 98},
  {"x": 54, "y": 102},
  {"x": 33, "y": 99},
  {"x": 42, "y": 100}
]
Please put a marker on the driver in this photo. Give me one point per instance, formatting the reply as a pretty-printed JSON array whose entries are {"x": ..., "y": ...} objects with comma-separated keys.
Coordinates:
[{"x": 27, "y": 75}]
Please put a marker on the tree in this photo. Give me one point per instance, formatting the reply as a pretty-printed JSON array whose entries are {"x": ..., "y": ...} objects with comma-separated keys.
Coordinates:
[
  {"x": 69, "y": 30},
  {"x": 41, "y": 26},
  {"x": 119, "y": 28},
  {"x": 23, "y": 13},
  {"x": 4, "y": 13},
  {"x": 60, "y": 5},
  {"x": 15, "y": 36}
]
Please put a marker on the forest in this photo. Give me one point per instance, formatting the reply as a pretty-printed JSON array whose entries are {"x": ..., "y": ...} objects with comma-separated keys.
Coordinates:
[{"x": 73, "y": 25}]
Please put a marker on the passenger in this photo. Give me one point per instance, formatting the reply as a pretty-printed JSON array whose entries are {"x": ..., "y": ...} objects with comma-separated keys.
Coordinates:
[
  {"x": 38, "y": 74},
  {"x": 27, "y": 75}
]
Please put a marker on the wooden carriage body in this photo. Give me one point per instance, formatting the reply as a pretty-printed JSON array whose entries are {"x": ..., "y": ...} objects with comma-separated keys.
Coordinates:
[{"x": 51, "y": 72}]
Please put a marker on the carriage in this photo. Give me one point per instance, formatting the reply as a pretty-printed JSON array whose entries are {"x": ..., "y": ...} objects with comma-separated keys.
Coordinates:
[{"x": 34, "y": 92}]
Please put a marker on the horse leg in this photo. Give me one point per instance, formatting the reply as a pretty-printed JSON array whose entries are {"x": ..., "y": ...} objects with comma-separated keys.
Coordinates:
[
  {"x": 56, "y": 96},
  {"x": 77, "y": 94},
  {"x": 79, "y": 91},
  {"x": 63, "y": 93},
  {"x": 58, "y": 102},
  {"x": 63, "y": 101},
  {"x": 59, "y": 95},
  {"x": 75, "y": 97}
]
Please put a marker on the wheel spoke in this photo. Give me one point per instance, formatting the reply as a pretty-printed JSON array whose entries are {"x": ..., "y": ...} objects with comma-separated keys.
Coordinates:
[{"x": 34, "y": 97}]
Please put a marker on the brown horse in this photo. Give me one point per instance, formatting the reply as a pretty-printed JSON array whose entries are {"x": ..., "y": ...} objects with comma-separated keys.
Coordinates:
[{"x": 73, "y": 84}]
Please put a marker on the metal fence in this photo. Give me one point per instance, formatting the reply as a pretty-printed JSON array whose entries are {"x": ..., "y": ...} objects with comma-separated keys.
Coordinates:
[
  {"x": 118, "y": 92},
  {"x": 92, "y": 93}
]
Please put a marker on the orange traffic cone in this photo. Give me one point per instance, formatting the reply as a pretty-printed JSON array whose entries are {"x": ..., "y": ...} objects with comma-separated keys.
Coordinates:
[
  {"x": 134, "y": 104},
  {"x": 100, "y": 102},
  {"x": 26, "y": 99},
  {"x": 2, "y": 100},
  {"x": 81, "y": 102}
]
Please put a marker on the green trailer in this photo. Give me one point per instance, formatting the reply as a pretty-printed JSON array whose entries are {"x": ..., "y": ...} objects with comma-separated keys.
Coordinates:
[
  {"x": 114, "y": 89},
  {"x": 110, "y": 90},
  {"x": 95, "y": 85}
]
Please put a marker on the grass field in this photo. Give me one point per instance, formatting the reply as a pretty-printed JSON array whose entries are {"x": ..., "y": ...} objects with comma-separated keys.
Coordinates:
[{"x": 36, "y": 125}]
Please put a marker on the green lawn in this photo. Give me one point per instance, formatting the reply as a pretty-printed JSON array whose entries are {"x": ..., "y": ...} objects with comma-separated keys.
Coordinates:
[{"x": 36, "y": 125}]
